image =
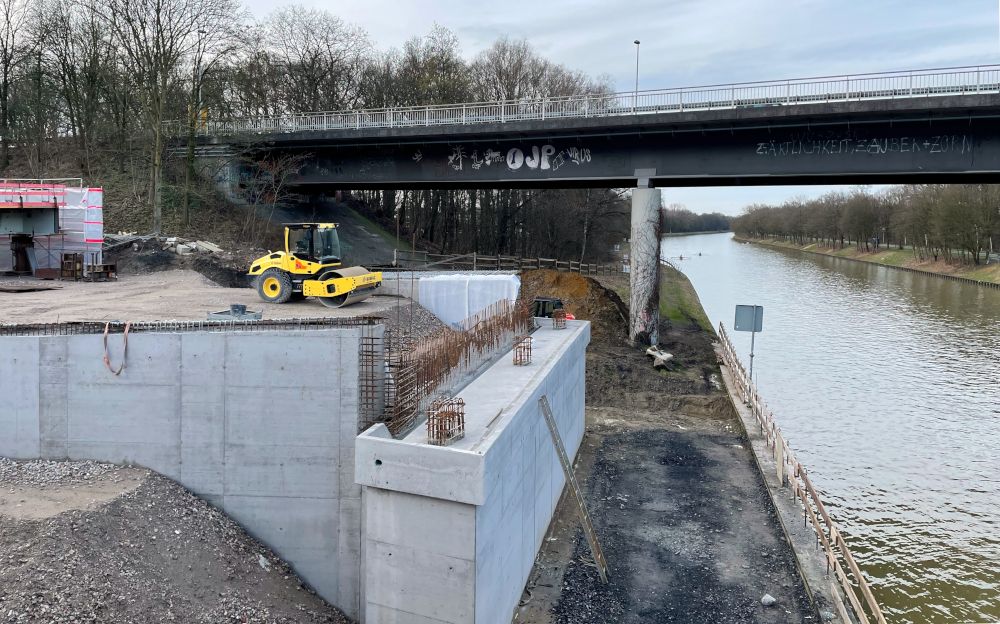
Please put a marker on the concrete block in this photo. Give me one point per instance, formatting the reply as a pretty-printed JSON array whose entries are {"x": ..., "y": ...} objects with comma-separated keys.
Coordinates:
[
  {"x": 445, "y": 527},
  {"x": 303, "y": 531},
  {"x": 52, "y": 360},
  {"x": 151, "y": 360},
  {"x": 280, "y": 359},
  {"x": 124, "y": 414},
  {"x": 439, "y": 472},
  {"x": 52, "y": 420},
  {"x": 420, "y": 582},
  {"x": 350, "y": 534},
  {"x": 203, "y": 359},
  {"x": 19, "y": 427},
  {"x": 282, "y": 416},
  {"x": 377, "y": 614},
  {"x": 276, "y": 470}
]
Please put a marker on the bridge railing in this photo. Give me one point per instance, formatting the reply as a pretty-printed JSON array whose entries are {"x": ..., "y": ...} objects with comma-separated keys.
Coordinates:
[{"x": 885, "y": 85}]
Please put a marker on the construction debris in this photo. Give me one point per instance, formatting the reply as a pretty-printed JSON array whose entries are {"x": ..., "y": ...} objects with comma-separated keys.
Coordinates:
[
  {"x": 660, "y": 358},
  {"x": 32, "y": 288}
]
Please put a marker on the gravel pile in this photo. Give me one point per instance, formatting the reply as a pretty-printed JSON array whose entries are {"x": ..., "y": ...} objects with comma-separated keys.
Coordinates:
[
  {"x": 41, "y": 472},
  {"x": 398, "y": 313},
  {"x": 154, "y": 554}
]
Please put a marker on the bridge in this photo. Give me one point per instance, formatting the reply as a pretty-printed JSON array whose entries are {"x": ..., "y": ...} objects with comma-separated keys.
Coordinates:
[
  {"x": 919, "y": 126},
  {"x": 926, "y": 125}
]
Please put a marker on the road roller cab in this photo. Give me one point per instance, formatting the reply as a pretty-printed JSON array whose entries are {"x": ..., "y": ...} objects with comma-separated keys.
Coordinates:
[{"x": 310, "y": 266}]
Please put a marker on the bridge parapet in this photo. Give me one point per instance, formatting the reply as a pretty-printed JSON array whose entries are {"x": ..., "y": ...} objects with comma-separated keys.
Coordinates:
[{"x": 922, "y": 83}]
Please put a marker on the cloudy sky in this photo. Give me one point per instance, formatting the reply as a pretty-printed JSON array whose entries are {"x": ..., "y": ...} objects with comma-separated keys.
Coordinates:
[{"x": 699, "y": 42}]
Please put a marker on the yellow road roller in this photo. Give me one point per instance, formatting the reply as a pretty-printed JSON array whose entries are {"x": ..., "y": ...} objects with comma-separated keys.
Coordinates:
[{"x": 310, "y": 267}]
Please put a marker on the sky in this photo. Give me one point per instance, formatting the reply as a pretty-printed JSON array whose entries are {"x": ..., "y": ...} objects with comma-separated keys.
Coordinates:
[{"x": 701, "y": 42}]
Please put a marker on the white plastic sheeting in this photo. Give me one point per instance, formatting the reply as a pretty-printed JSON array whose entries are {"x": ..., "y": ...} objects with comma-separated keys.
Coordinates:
[{"x": 454, "y": 298}]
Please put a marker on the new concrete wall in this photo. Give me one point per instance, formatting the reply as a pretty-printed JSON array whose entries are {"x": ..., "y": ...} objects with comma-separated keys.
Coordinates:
[
  {"x": 262, "y": 424},
  {"x": 468, "y": 519}
]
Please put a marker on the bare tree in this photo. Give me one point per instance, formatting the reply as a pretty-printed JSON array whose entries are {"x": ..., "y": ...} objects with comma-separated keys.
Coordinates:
[
  {"x": 321, "y": 57},
  {"x": 13, "y": 21},
  {"x": 156, "y": 36}
]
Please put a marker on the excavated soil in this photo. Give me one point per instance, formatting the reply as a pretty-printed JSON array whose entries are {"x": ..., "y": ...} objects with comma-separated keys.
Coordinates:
[
  {"x": 144, "y": 550},
  {"x": 227, "y": 268},
  {"x": 621, "y": 375}
]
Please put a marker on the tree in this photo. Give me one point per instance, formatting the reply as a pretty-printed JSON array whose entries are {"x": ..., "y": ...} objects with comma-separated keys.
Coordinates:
[
  {"x": 13, "y": 22},
  {"x": 155, "y": 36}
]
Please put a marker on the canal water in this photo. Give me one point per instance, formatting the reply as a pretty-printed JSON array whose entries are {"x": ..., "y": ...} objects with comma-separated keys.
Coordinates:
[{"x": 886, "y": 385}]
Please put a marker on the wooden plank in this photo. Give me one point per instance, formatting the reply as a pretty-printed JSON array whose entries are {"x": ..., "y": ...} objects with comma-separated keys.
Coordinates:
[
  {"x": 858, "y": 611},
  {"x": 862, "y": 583},
  {"x": 839, "y": 603},
  {"x": 581, "y": 505}
]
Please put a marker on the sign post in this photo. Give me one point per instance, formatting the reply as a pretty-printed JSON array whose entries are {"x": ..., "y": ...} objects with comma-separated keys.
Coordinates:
[{"x": 749, "y": 318}]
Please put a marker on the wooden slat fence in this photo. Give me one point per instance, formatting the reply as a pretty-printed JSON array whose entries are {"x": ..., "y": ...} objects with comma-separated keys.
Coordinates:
[
  {"x": 421, "y": 260},
  {"x": 851, "y": 580}
]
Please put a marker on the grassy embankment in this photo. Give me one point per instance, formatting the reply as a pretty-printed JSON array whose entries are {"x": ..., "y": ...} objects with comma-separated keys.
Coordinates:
[
  {"x": 679, "y": 302},
  {"x": 906, "y": 258}
]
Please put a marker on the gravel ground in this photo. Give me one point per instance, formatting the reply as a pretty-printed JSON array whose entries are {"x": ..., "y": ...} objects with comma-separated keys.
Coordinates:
[
  {"x": 156, "y": 553},
  {"x": 41, "y": 472},
  {"x": 398, "y": 312}
]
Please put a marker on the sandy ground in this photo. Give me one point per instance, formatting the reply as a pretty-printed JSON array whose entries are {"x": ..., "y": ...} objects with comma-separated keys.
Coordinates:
[
  {"x": 40, "y": 501},
  {"x": 163, "y": 296}
]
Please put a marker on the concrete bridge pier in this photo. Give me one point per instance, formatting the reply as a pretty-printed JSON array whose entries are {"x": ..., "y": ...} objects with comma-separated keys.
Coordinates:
[{"x": 644, "y": 257}]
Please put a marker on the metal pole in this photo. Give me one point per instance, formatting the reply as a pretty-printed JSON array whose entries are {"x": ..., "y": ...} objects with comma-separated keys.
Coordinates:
[
  {"x": 635, "y": 98},
  {"x": 753, "y": 334}
]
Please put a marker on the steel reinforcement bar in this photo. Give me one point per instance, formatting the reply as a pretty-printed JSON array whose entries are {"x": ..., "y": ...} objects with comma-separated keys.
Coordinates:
[
  {"x": 851, "y": 580},
  {"x": 118, "y": 327},
  {"x": 856, "y": 87}
]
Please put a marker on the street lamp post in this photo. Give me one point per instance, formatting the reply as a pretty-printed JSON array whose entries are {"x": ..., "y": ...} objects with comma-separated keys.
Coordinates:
[{"x": 635, "y": 98}]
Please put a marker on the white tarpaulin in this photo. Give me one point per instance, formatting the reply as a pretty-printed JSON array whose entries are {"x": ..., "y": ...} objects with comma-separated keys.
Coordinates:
[{"x": 454, "y": 298}]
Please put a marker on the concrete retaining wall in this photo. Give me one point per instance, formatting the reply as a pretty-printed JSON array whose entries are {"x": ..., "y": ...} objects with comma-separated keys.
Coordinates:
[
  {"x": 261, "y": 424},
  {"x": 452, "y": 532}
]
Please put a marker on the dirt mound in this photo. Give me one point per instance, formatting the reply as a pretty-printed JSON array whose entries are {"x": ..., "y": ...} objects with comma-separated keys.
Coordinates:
[
  {"x": 228, "y": 268},
  {"x": 582, "y": 297},
  {"x": 153, "y": 554}
]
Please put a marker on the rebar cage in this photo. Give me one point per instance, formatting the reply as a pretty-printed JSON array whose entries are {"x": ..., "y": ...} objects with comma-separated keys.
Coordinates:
[
  {"x": 522, "y": 350},
  {"x": 445, "y": 421},
  {"x": 559, "y": 319}
]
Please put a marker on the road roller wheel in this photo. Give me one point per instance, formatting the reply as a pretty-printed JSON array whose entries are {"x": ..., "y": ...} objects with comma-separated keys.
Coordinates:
[{"x": 274, "y": 286}]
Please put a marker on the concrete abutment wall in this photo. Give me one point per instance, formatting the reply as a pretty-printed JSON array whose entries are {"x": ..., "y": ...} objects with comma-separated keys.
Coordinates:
[
  {"x": 261, "y": 424},
  {"x": 264, "y": 425}
]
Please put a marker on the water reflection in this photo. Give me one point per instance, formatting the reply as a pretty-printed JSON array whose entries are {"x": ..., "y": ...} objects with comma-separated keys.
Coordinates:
[{"x": 885, "y": 384}]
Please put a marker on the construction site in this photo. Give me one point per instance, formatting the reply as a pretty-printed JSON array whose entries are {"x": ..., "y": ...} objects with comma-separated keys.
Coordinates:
[{"x": 189, "y": 433}]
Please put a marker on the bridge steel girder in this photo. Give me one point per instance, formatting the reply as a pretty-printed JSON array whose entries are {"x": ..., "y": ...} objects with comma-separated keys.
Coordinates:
[{"x": 933, "y": 139}]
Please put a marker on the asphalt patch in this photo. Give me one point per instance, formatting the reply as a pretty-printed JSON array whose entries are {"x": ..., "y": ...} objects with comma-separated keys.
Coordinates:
[{"x": 689, "y": 534}]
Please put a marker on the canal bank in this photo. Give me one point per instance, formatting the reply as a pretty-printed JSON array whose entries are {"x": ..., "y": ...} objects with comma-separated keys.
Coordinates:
[
  {"x": 985, "y": 275},
  {"x": 886, "y": 384}
]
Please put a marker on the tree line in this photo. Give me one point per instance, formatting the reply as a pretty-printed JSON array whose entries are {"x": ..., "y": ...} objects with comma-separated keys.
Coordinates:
[
  {"x": 677, "y": 219},
  {"x": 86, "y": 87},
  {"x": 950, "y": 222}
]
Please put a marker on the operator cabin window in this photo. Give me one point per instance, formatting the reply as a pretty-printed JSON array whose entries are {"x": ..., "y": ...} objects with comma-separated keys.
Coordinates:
[{"x": 315, "y": 245}]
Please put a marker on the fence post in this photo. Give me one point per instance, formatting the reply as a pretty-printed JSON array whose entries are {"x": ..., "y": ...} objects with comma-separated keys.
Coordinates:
[{"x": 463, "y": 113}]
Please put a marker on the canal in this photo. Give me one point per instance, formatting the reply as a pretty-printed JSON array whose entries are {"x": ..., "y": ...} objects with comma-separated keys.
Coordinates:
[{"x": 885, "y": 384}]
